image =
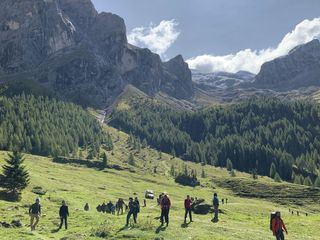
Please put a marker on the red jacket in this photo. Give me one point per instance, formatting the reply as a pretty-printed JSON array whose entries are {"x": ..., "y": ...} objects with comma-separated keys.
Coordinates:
[
  {"x": 187, "y": 203},
  {"x": 165, "y": 203},
  {"x": 278, "y": 224}
]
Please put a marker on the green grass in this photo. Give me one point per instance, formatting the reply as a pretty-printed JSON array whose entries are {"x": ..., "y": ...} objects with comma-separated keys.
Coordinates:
[{"x": 244, "y": 217}]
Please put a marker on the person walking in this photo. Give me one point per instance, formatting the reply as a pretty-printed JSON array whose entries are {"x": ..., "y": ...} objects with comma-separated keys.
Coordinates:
[
  {"x": 278, "y": 227},
  {"x": 165, "y": 205},
  {"x": 132, "y": 211},
  {"x": 64, "y": 214},
  {"x": 119, "y": 206},
  {"x": 216, "y": 207},
  {"x": 35, "y": 213},
  {"x": 137, "y": 205},
  {"x": 187, "y": 207}
]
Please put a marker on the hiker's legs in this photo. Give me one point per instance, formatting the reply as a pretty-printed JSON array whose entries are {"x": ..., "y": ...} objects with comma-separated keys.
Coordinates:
[
  {"x": 280, "y": 235},
  {"x": 31, "y": 221},
  {"x": 36, "y": 223},
  {"x": 162, "y": 215},
  {"x": 61, "y": 222},
  {"x": 190, "y": 215},
  {"x": 185, "y": 215},
  {"x": 167, "y": 216},
  {"x": 135, "y": 215},
  {"x": 128, "y": 217},
  {"x": 216, "y": 213},
  {"x": 66, "y": 222}
]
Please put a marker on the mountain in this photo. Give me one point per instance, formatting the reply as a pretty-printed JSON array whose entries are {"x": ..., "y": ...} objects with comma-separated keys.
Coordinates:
[
  {"x": 81, "y": 55},
  {"x": 222, "y": 80},
  {"x": 300, "y": 68}
]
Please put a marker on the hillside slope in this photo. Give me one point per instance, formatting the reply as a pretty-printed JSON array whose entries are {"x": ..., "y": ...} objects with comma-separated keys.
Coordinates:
[{"x": 242, "y": 218}]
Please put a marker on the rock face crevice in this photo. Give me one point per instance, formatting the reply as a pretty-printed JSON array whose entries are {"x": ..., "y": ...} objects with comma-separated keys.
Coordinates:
[
  {"x": 300, "y": 68},
  {"x": 80, "y": 54}
]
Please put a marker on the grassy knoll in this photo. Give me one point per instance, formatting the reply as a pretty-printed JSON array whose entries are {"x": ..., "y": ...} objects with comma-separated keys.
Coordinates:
[{"x": 245, "y": 217}]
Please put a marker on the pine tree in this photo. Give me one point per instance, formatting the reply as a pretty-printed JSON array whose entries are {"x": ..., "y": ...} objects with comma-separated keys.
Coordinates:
[
  {"x": 229, "y": 165},
  {"x": 203, "y": 174},
  {"x": 160, "y": 155},
  {"x": 131, "y": 160},
  {"x": 273, "y": 170},
  {"x": 104, "y": 160},
  {"x": 277, "y": 177},
  {"x": 317, "y": 182},
  {"x": 307, "y": 181},
  {"x": 15, "y": 177},
  {"x": 172, "y": 171},
  {"x": 173, "y": 153}
]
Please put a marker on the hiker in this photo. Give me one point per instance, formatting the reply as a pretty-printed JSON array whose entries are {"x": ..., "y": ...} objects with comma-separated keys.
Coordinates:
[
  {"x": 103, "y": 207},
  {"x": 35, "y": 213},
  {"x": 222, "y": 200},
  {"x": 298, "y": 214},
  {"x": 64, "y": 214},
  {"x": 216, "y": 207},
  {"x": 159, "y": 199},
  {"x": 98, "y": 208},
  {"x": 119, "y": 206},
  {"x": 165, "y": 205},
  {"x": 132, "y": 211},
  {"x": 187, "y": 207},
  {"x": 110, "y": 208},
  {"x": 226, "y": 200},
  {"x": 278, "y": 227},
  {"x": 86, "y": 207},
  {"x": 144, "y": 202}
]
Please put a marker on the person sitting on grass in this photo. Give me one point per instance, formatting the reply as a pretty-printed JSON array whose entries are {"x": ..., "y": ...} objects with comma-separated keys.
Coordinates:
[
  {"x": 64, "y": 214},
  {"x": 278, "y": 227},
  {"x": 35, "y": 213}
]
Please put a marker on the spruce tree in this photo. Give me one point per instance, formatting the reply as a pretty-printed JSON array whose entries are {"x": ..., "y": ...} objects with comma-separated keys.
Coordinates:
[
  {"x": 131, "y": 160},
  {"x": 104, "y": 160},
  {"x": 273, "y": 170},
  {"x": 15, "y": 177},
  {"x": 203, "y": 174},
  {"x": 229, "y": 165},
  {"x": 277, "y": 177},
  {"x": 317, "y": 182},
  {"x": 307, "y": 181}
]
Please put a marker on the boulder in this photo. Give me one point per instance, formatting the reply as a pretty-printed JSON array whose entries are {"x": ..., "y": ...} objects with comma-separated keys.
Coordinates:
[{"x": 16, "y": 223}]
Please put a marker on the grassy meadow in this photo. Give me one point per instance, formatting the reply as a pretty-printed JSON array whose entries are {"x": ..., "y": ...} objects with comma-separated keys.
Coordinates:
[{"x": 246, "y": 216}]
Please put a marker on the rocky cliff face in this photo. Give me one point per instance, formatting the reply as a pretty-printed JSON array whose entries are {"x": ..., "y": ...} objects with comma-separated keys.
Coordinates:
[
  {"x": 301, "y": 67},
  {"x": 80, "y": 54}
]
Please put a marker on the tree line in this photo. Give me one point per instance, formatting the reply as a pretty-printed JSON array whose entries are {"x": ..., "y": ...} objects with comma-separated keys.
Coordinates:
[
  {"x": 47, "y": 127},
  {"x": 268, "y": 136}
]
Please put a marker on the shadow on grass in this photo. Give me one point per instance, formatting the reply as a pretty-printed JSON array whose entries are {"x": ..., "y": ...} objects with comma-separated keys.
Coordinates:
[
  {"x": 123, "y": 228},
  {"x": 9, "y": 197},
  {"x": 55, "y": 230},
  {"x": 185, "y": 225},
  {"x": 160, "y": 228}
]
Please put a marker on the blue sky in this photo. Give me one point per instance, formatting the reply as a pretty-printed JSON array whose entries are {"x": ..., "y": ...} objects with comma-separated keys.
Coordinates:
[{"x": 222, "y": 29}]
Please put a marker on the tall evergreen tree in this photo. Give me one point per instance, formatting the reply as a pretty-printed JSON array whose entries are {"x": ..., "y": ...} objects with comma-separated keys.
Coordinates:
[
  {"x": 15, "y": 177},
  {"x": 131, "y": 160}
]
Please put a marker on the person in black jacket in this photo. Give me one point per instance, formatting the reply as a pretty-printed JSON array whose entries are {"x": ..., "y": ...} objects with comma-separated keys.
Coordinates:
[
  {"x": 35, "y": 213},
  {"x": 133, "y": 208},
  {"x": 64, "y": 214}
]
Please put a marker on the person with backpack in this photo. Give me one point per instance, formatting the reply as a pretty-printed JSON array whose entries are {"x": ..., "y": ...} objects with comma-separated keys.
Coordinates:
[
  {"x": 215, "y": 201},
  {"x": 132, "y": 211},
  {"x": 64, "y": 214},
  {"x": 86, "y": 207},
  {"x": 136, "y": 200},
  {"x": 187, "y": 207},
  {"x": 35, "y": 213},
  {"x": 278, "y": 226},
  {"x": 165, "y": 205}
]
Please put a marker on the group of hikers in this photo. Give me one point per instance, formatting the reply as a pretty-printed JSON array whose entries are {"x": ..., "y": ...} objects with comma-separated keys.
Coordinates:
[{"x": 276, "y": 223}]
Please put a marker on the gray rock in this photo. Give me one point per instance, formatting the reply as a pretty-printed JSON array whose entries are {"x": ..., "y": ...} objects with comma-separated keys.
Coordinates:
[
  {"x": 300, "y": 68},
  {"x": 80, "y": 55},
  {"x": 5, "y": 224}
]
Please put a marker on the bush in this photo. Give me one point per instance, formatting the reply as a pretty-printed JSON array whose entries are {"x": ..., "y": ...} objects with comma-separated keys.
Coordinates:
[{"x": 187, "y": 180}]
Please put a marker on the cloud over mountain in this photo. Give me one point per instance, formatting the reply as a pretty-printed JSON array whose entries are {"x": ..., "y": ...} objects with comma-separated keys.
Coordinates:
[
  {"x": 251, "y": 60},
  {"x": 158, "y": 38}
]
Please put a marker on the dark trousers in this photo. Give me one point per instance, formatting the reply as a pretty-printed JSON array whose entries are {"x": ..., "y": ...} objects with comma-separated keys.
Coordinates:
[
  {"x": 134, "y": 216},
  {"x": 164, "y": 215},
  {"x": 188, "y": 210},
  {"x": 63, "y": 219},
  {"x": 280, "y": 235}
]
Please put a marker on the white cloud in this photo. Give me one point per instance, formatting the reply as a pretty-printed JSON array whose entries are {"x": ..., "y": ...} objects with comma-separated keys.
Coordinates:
[
  {"x": 251, "y": 60},
  {"x": 158, "y": 38}
]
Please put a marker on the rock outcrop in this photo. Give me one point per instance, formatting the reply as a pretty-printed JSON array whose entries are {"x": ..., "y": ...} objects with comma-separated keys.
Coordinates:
[
  {"x": 79, "y": 54},
  {"x": 300, "y": 68}
]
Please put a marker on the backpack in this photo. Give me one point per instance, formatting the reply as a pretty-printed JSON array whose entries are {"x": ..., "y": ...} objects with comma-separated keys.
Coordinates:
[{"x": 272, "y": 216}]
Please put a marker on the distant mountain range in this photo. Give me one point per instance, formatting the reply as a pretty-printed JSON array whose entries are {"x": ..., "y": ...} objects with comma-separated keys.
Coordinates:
[{"x": 67, "y": 49}]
